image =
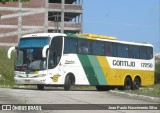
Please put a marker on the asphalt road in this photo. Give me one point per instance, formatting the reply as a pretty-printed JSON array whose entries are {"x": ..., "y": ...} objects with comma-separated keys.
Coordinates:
[{"x": 59, "y": 96}]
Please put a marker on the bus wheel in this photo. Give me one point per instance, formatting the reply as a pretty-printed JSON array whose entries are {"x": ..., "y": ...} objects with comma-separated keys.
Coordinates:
[
  {"x": 40, "y": 87},
  {"x": 127, "y": 84},
  {"x": 68, "y": 83},
  {"x": 136, "y": 84}
]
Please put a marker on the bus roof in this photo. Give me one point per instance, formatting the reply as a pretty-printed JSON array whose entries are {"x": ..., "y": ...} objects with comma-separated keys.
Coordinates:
[
  {"x": 110, "y": 39},
  {"x": 87, "y": 36},
  {"x": 43, "y": 35},
  {"x": 95, "y": 36}
]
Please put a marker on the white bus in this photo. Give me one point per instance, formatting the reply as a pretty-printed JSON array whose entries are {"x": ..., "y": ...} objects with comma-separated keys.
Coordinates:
[{"x": 82, "y": 59}]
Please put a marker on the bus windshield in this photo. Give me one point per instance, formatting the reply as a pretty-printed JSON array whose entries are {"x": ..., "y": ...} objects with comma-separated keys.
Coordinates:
[
  {"x": 29, "y": 54},
  {"x": 33, "y": 42}
]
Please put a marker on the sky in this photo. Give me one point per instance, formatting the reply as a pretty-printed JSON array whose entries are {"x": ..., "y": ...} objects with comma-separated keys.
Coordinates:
[{"x": 128, "y": 20}]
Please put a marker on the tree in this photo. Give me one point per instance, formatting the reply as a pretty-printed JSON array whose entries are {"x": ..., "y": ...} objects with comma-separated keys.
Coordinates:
[
  {"x": 5, "y": 1},
  {"x": 157, "y": 68}
]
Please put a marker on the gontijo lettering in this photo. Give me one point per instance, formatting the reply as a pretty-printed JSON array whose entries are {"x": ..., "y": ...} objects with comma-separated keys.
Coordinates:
[{"x": 124, "y": 63}]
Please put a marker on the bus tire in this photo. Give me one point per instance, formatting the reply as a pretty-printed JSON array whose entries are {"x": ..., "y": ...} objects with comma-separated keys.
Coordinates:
[
  {"x": 127, "y": 84},
  {"x": 136, "y": 84},
  {"x": 68, "y": 83},
  {"x": 40, "y": 87}
]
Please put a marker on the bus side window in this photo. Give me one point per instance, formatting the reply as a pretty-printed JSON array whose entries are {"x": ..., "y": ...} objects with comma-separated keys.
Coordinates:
[
  {"x": 143, "y": 52},
  {"x": 83, "y": 50},
  {"x": 134, "y": 51},
  {"x": 109, "y": 49},
  {"x": 83, "y": 46},
  {"x": 98, "y": 47},
  {"x": 70, "y": 45},
  {"x": 114, "y": 52},
  {"x": 149, "y": 53},
  {"x": 122, "y": 50},
  {"x": 55, "y": 51}
]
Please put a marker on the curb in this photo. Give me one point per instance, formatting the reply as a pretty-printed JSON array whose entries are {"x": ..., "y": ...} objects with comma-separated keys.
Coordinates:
[{"x": 144, "y": 97}]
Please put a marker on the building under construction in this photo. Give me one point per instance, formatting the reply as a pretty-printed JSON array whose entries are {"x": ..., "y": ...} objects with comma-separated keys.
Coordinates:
[{"x": 17, "y": 19}]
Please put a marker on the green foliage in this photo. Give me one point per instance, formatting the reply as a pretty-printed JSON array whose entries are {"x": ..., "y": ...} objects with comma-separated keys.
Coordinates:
[
  {"x": 6, "y": 69},
  {"x": 157, "y": 69},
  {"x": 5, "y": 1},
  {"x": 153, "y": 91},
  {"x": 157, "y": 73}
]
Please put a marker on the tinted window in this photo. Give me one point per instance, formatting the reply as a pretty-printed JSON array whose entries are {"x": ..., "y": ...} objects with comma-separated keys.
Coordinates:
[
  {"x": 143, "y": 52},
  {"x": 114, "y": 49},
  {"x": 84, "y": 46},
  {"x": 55, "y": 52},
  {"x": 70, "y": 45},
  {"x": 109, "y": 51},
  {"x": 97, "y": 48},
  {"x": 149, "y": 52},
  {"x": 122, "y": 50},
  {"x": 134, "y": 51}
]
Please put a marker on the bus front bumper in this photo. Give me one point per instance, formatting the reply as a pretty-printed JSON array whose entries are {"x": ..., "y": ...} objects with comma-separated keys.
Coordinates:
[{"x": 40, "y": 80}]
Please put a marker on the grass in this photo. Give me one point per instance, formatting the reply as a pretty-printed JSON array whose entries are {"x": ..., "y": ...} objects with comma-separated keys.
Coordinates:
[
  {"x": 153, "y": 91},
  {"x": 6, "y": 69}
]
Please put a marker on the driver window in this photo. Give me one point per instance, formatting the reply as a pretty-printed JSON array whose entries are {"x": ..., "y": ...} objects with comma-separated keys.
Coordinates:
[{"x": 55, "y": 52}]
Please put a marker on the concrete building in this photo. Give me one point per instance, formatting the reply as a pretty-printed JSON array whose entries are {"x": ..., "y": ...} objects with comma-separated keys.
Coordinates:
[{"x": 17, "y": 19}]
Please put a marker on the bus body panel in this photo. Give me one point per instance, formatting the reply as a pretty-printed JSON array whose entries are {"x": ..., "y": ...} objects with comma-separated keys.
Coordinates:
[
  {"x": 88, "y": 70},
  {"x": 99, "y": 70},
  {"x": 72, "y": 64}
]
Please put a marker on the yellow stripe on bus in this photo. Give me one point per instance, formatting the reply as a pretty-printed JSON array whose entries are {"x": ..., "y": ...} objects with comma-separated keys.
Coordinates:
[
  {"x": 95, "y": 36},
  {"x": 104, "y": 65}
]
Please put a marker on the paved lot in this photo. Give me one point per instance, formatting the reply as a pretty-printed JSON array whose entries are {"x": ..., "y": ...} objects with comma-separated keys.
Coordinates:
[{"x": 58, "y": 96}]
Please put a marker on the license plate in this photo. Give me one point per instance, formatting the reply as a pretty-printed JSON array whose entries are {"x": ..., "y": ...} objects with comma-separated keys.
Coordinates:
[{"x": 27, "y": 81}]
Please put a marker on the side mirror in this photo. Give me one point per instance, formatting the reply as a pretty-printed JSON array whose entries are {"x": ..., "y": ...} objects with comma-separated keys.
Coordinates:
[
  {"x": 10, "y": 51},
  {"x": 44, "y": 51}
]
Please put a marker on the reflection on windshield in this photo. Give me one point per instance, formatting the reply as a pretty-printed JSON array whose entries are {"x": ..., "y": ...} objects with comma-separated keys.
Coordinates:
[
  {"x": 29, "y": 59},
  {"x": 37, "y": 65},
  {"x": 19, "y": 58}
]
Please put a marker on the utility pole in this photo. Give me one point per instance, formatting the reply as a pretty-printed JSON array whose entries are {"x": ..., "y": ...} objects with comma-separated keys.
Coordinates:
[
  {"x": 56, "y": 21},
  {"x": 46, "y": 16},
  {"x": 62, "y": 15},
  {"x": 20, "y": 19}
]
